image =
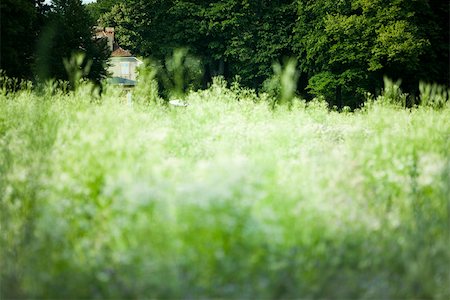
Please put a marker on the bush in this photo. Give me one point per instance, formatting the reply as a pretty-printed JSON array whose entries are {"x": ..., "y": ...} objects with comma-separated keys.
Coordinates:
[{"x": 434, "y": 95}]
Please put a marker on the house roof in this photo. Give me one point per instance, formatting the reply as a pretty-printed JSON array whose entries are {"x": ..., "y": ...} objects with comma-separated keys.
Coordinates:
[
  {"x": 122, "y": 81},
  {"x": 120, "y": 52}
]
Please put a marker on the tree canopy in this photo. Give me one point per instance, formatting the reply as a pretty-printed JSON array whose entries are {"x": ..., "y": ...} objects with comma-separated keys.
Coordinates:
[
  {"x": 70, "y": 28},
  {"x": 36, "y": 38},
  {"x": 20, "y": 21},
  {"x": 343, "y": 48},
  {"x": 346, "y": 47},
  {"x": 100, "y": 7}
]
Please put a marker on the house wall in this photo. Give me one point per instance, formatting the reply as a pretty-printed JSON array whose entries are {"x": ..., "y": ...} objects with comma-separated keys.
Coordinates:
[{"x": 124, "y": 67}]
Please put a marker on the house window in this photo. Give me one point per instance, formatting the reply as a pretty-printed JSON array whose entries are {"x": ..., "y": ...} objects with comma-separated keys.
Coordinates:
[{"x": 125, "y": 68}]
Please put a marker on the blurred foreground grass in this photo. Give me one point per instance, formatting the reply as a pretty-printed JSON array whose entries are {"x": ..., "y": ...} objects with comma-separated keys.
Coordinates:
[{"x": 222, "y": 198}]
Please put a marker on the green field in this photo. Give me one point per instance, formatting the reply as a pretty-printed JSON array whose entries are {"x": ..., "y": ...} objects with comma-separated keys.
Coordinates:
[{"x": 225, "y": 198}]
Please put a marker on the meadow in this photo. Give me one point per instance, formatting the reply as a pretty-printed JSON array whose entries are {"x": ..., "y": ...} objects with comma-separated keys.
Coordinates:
[{"x": 224, "y": 198}]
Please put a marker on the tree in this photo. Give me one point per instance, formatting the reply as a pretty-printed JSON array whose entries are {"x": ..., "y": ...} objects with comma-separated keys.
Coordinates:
[
  {"x": 230, "y": 36},
  {"x": 249, "y": 35},
  {"x": 346, "y": 47},
  {"x": 69, "y": 31},
  {"x": 434, "y": 17},
  {"x": 100, "y": 7},
  {"x": 21, "y": 22}
]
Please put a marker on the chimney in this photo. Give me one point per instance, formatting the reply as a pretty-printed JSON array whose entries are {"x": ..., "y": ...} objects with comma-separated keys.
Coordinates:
[{"x": 109, "y": 31}]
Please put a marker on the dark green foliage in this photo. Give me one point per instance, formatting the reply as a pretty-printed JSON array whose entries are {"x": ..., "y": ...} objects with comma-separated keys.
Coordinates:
[
  {"x": 144, "y": 27},
  {"x": 21, "y": 21},
  {"x": 100, "y": 7},
  {"x": 231, "y": 37},
  {"x": 180, "y": 73},
  {"x": 249, "y": 36},
  {"x": 37, "y": 37},
  {"x": 68, "y": 31},
  {"x": 346, "y": 47},
  {"x": 435, "y": 63},
  {"x": 343, "y": 48}
]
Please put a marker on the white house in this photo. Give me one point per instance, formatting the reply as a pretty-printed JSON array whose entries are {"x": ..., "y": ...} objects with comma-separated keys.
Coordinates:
[{"x": 123, "y": 65}]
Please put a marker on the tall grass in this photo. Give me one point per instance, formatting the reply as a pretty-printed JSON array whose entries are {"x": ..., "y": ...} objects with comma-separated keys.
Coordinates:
[{"x": 225, "y": 198}]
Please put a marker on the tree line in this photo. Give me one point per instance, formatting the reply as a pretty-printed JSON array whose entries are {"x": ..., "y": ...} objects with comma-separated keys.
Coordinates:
[{"x": 343, "y": 48}]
